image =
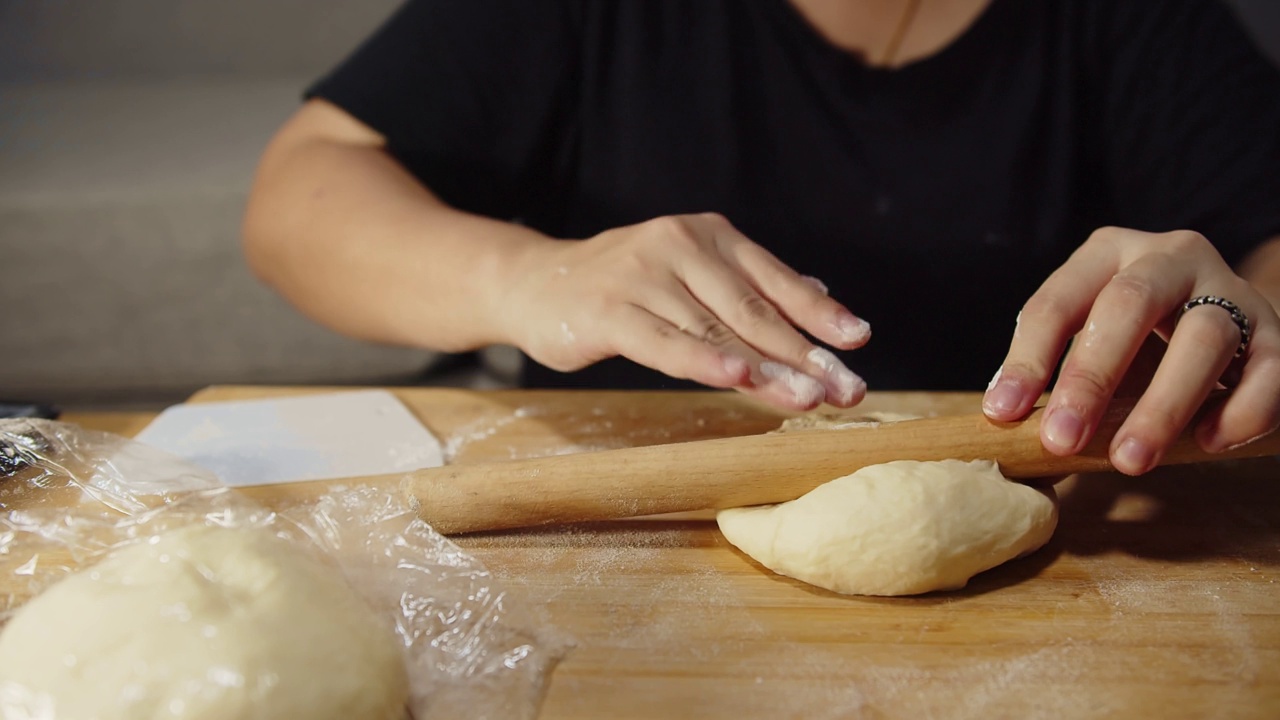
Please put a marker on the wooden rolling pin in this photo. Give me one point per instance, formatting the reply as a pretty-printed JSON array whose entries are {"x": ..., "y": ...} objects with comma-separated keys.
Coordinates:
[{"x": 751, "y": 470}]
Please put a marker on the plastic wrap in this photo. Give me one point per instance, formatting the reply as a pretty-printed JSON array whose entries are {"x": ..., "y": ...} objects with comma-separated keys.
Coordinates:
[{"x": 70, "y": 496}]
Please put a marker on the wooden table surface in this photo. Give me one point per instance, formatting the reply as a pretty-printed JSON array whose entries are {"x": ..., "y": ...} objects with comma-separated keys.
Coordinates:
[{"x": 1157, "y": 597}]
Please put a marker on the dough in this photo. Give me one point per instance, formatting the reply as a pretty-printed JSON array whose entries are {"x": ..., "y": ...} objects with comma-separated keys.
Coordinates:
[
  {"x": 841, "y": 420},
  {"x": 204, "y": 623},
  {"x": 900, "y": 528}
]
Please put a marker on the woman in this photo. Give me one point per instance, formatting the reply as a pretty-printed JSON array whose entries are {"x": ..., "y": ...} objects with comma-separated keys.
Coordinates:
[{"x": 544, "y": 175}]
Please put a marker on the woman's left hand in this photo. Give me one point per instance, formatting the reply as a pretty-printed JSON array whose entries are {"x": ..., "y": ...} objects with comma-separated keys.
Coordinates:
[{"x": 1113, "y": 292}]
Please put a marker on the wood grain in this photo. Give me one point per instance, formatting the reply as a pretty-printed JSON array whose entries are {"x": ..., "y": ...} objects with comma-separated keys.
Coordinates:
[
  {"x": 752, "y": 470},
  {"x": 1159, "y": 596},
  {"x": 736, "y": 471}
]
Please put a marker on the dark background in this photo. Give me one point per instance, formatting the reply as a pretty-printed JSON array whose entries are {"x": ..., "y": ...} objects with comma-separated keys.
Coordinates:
[{"x": 129, "y": 131}]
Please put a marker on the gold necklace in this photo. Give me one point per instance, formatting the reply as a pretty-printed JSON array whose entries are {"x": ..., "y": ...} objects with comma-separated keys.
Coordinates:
[{"x": 900, "y": 32}]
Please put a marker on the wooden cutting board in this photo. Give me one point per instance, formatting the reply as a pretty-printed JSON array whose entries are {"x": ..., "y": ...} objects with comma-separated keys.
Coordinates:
[{"x": 1158, "y": 597}]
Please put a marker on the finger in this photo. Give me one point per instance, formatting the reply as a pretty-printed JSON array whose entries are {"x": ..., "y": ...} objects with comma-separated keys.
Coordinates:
[
  {"x": 1125, "y": 312},
  {"x": 1199, "y": 351},
  {"x": 657, "y": 344},
  {"x": 732, "y": 303},
  {"x": 787, "y": 387},
  {"x": 1251, "y": 410},
  {"x": 1143, "y": 368},
  {"x": 679, "y": 307},
  {"x": 1049, "y": 318},
  {"x": 802, "y": 300},
  {"x": 844, "y": 388}
]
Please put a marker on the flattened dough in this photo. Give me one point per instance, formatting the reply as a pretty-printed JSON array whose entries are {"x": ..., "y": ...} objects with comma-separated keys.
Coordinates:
[
  {"x": 202, "y": 623},
  {"x": 841, "y": 420},
  {"x": 900, "y": 528}
]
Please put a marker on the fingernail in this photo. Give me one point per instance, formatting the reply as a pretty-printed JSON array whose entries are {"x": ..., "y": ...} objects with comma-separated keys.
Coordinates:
[
  {"x": 804, "y": 389},
  {"x": 1134, "y": 457},
  {"x": 842, "y": 383},
  {"x": 816, "y": 283},
  {"x": 1064, "y": 427},
  {"x": 853, "y": 330},
  {"x": 735, "y": 367},
  {"x": 1003, "y": 397}
]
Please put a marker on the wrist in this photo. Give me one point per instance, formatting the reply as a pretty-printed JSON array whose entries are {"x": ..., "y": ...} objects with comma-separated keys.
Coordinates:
[{"x": 520, "y": 273}]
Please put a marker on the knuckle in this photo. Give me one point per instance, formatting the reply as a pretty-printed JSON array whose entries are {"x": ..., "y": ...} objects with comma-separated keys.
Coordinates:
[
  {"x": 1044, "y": 307},
  {"x": 1159, "y": 423},
  {"x": 755, "y": 310},
  {"x": 1084, "y": 380},
  {"x": 1104, "y": 234},
  {"x": 1130, "y": 289},
  {"x": 664, "y": 332},
  {"x": 1125, "y": 241},
  {"x": 714, "y": 218},
  {"x": 678, "y": 231},
  {"x": 714, "y": 333},
  {"x": 1180, "y": 241},
  {"x": 1024, "y": 371},
  {"x": 632, "y": 264}
]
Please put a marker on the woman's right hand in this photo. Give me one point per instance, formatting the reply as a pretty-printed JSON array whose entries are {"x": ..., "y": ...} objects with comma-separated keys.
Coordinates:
[{"x": 691, "y": 297}]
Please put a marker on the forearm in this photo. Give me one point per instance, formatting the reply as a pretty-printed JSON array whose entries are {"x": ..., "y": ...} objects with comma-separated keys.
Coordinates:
[
  {"x": 358, "y": 244},
  {"x": 1262, "y": 269}
]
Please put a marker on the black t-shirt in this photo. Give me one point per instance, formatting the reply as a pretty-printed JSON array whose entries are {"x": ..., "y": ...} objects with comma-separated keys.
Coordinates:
[{"x": 933, "y": 199}]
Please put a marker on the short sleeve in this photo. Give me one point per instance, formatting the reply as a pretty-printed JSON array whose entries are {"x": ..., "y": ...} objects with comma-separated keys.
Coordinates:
[
  {"x": 473, "y": 96},
  {"x": 1190, "y": 120}
]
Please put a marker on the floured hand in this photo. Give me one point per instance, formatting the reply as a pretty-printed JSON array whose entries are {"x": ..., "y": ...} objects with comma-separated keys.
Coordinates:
[{"x": 691, "y": 297}]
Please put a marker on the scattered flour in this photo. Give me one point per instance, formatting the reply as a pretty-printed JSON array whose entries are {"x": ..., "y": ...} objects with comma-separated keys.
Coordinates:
[
  {"x": 474, "y": 432},
  {"x": 655, "y": 600}
]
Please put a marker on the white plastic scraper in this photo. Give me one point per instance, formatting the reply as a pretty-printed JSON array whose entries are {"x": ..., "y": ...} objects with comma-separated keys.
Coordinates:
[{"x": 313, "y": 437}]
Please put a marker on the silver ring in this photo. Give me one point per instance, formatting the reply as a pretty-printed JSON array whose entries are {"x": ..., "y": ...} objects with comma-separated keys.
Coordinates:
[{"x": 1237, "y": 316}]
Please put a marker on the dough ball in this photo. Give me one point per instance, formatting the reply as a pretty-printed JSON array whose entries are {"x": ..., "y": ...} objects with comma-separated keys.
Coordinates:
[
  {"x": 900, "y": 528},
  {"x": 206, "y": 623}
]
